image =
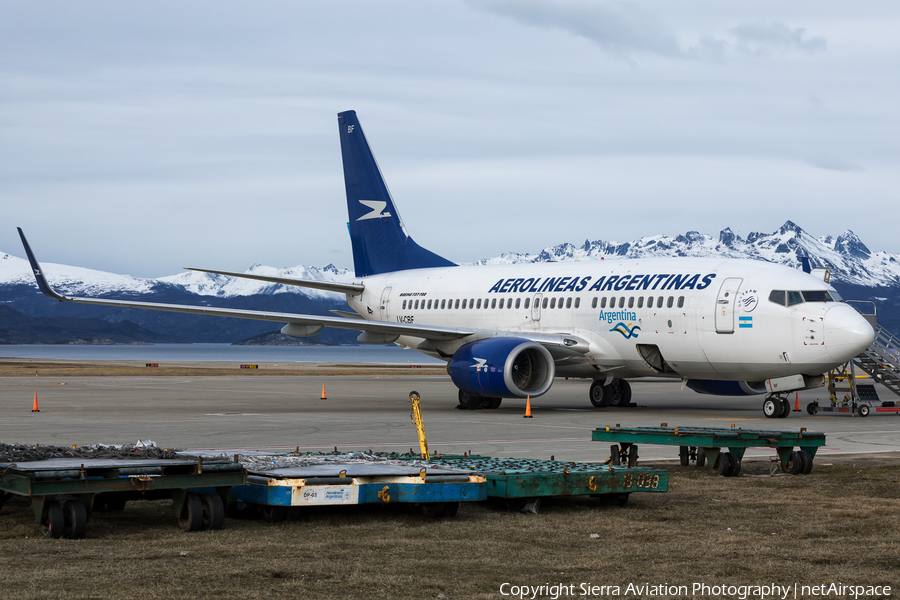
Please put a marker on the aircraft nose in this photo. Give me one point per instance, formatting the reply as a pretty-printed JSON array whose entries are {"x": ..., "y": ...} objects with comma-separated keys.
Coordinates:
[{"x": 847, "y": 333}]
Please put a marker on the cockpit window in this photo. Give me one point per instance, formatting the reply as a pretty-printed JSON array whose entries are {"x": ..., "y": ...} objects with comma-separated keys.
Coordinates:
[{"x": 790, "y": 298}]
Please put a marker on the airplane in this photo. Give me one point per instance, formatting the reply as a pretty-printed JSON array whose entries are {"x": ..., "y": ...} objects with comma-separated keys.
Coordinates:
[{"x": 722, "y": 326}]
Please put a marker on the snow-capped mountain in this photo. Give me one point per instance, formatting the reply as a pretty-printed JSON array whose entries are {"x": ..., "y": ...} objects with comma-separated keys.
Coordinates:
[
  {"x": 850, "y": 261},
  {"x": 78, "y": 281}
]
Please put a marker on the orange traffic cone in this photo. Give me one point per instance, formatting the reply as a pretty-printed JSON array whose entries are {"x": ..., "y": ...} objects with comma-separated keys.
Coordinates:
[
  {"x": 34, "y": 408},
  {"x": 528, "y": 407},
  {"x": 797, "y": 402},
  {"x": 323, "y": 392}
]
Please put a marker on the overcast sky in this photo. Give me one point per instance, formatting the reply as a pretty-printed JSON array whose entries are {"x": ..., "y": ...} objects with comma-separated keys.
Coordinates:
[{"x": 141, "y": 137}]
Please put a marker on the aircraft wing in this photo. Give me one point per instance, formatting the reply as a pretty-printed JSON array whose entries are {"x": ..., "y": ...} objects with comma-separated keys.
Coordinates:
[
  {"x": 385, "y": 327},
  {"x": 331, "y": 286}
]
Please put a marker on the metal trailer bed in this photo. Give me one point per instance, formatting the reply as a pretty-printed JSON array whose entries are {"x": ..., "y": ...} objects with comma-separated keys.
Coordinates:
[
  {"x": 438, "y": 490},
  {"x": 704, "y": 445},
  {"x": 523, "y": 482},
  {"x": 65, "y": 492}
]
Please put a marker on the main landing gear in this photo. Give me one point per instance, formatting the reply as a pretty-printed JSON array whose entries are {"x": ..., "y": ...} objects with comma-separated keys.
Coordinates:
[
  {"x": 617, "y": 393},
  {"x": 469, "y": 402},
  {"x": 776, "y": 407}
]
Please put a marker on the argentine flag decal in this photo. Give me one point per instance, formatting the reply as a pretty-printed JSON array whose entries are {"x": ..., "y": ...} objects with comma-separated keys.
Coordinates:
[{"x": 745, "y": 322}]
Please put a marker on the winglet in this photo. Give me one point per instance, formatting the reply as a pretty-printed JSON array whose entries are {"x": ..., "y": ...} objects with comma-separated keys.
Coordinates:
[{"x": 38, "y": 273}]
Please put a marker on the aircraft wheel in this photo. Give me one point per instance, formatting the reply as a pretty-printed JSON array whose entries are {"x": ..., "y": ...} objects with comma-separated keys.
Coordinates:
[
  {"x": 53, "y": 523},
  {"x": 491, "y": 403},
  {"x": 622, "y": 392},
  {"x": 863, "y": 410},
  {"x": 785, "y": 409},
  {"x": 600, "y": 394},
  {"x": 467, "y": 401},
  {"x": 191, "y": 518},
  {"x": 75, "y": 517},
  {"x": 213, "y": 511},
  {"x": 722, "y": 465},
  {"x": 771, "y": 408}
]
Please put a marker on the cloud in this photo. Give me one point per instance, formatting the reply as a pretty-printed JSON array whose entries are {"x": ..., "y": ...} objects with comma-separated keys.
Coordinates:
[
  {"x": 776, "y": 38},
  {"x": 833, "y": 163},
  {"x": 625, "y": 29}
]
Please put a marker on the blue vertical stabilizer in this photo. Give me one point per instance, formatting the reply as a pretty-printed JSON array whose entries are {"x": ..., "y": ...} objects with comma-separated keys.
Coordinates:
[{"x": 379, "y": 238}]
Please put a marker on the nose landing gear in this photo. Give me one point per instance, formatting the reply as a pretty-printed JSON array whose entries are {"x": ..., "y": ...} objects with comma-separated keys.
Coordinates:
[{"x": 776, "y": 406}]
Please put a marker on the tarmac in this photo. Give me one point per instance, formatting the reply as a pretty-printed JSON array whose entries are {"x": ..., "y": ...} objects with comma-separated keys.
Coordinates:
[{"x": 361, "y": 412}]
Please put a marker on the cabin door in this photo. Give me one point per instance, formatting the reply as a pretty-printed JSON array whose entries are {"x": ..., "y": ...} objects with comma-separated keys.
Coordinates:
[
  {"x": 725, "y": 304},
  {"x": 536, "y": 308},
  {"x": 385, "y": 298}
]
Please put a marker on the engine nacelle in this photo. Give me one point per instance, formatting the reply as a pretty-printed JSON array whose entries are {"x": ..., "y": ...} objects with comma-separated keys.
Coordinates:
[
  {"x": 727, "y": 388},
  {"x": 502, "y": 368}
]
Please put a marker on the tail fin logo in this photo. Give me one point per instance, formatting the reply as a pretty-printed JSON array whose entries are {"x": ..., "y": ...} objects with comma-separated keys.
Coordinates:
[{"x": 377, "y": 207}]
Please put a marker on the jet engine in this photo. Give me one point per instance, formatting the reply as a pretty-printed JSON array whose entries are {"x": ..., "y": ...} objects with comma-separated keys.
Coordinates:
[{"x": 502, "y": 368}]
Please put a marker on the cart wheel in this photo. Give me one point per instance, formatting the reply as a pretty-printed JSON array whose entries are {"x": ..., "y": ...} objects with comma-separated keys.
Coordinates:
[
  {"x": 614, "y": 454},
  {"x": 722, "y": 465},
  {"x": 451, "y": 509},
  {"x": 863, "y": 410},
  {"x": 811, "y": 408},
  {"x": 213, "y": 511},
  {"x": 613, "y": 499},
  {"x": 735, "y": 466},
  {"x": 191, "y": 518},
  {"x": 75, "y": 517},
  {"x": 794, "y": 465},
  {"x": 701, "y": 457},
  {"x": 807, "y": 462},
  {"x": 53, "y": 523},
  {"x": 273, "y": 513},
  {"x": 684, "y": 455},
  {"x": 632, "y": 455},
  {"x": 434, "y": 510}
]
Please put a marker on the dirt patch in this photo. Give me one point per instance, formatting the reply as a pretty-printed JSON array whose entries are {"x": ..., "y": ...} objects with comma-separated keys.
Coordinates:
[{"x": 840, "y": 524}]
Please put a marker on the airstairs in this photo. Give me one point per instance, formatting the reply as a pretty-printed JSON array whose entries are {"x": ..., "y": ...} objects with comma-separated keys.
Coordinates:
[{"x": 881, "y": 361}]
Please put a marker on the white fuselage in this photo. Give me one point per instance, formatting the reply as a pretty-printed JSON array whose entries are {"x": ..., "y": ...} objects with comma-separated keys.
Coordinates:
[{"x": 709, "y": 318}]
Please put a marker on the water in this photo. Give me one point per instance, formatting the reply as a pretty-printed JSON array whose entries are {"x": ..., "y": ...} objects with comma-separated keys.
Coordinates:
[{"x": 221, "y": 352}]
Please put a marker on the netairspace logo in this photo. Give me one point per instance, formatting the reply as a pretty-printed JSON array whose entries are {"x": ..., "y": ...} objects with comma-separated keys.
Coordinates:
[{"x": 696, "y": 590}]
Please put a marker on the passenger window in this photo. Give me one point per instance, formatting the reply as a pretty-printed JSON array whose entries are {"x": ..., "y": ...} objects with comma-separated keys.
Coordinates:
[
  {"x": 594, "y": 302},
  {"x": 670, "y": 302},
  {"x": 518, "y": 302},
  {"x": 641, "y": 302},
  {"x": 778, "y": 297},
  {"x": 479, "y": 304},
  {"x": 443, "y": 304},
  {"x": 464, "y": 304},
  {"x": 457, "y": 303},
  {"x": 622, "y": 302},
  {"x": 794, "y": 298},
  {"x": 602, "y": 302},
  {"x": 552, "y": 302},
  {"x": 544, "y": 303},
  {"x": 568, "y": 303},
  {"x": 527, "y": 303},
  {"x": 680, "y": 301},
  {"x": 471, "y": 303},
  {"x": 404, "y": 305},
  {"x": 429, "y": 304},
  {"x": 631, "y": 302},
  {"x": 577, "y": 302},
  {"x": 494, "y": 303},
  {"x": 417, "y": 305}
]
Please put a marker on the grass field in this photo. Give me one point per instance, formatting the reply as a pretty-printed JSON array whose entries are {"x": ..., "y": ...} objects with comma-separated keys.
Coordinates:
[{"x": 840, "y": 524}]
